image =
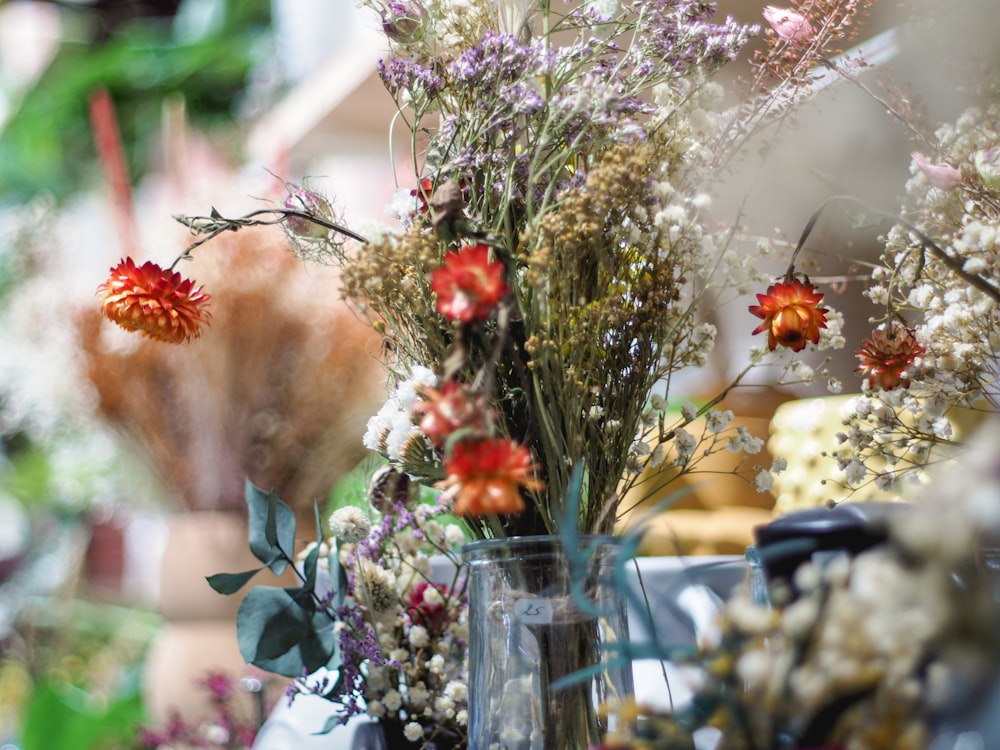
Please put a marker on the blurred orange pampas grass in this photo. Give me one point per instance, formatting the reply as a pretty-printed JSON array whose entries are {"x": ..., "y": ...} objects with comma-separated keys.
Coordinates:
[{"x": 277, "y": 390}]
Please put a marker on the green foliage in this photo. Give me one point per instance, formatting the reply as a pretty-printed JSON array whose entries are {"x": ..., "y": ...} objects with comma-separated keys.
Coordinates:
[
  {"x": 47, "y": 143},
  {"x": 282, "y": 630},
  {"x": 285, "y": 631},
  {"x": 63, "y": 715},
  {"x": 272, "y": 529}
]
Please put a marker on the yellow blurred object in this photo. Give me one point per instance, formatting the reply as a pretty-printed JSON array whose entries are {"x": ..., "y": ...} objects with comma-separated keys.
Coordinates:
[{"x": 804, "y": 431}]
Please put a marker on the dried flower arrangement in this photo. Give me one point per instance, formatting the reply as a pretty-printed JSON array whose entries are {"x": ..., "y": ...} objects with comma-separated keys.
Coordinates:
[
  {"x": 933, "y": 357},
  {"x": 556, "y": 259},
  {"x": 883, "y": 648},
  {"x": 555, "y": 265}
]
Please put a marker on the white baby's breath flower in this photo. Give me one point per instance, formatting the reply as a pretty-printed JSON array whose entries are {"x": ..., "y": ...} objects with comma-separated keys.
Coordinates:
[
  {"x": 418, "y": 695},
  {"x": 413, "y": 731},
  {"x": 392, "y": 700},
  {"x": 750, "y": 618},
  {"x": 457, "y": 691},
  {"x": 744, "y": 441},
  {"x": 685, "y": 444},
  {"x": 799, "y": 617},
  {"x": 763, "y": 481},
  {"x": 454, "y": 534},
  {"x": 754, "y": 666},
  {"x": 436, "y": 664},
  {"x": 689, "y": 411},
  {"x": 432, "y": 596},
  {"x": 657, "y": 457},
  {"x": 855, "y": 472},
  {"x": 885, "y": 480},
  {"x": 716, "y": 421},
  {"x": 419, "y": 637}
]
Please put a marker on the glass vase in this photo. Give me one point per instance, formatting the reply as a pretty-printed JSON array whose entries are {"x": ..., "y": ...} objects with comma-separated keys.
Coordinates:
[{"x": 539, "y": 613}]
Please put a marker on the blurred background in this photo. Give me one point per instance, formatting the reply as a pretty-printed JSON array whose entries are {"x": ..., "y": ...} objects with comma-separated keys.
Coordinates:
[{"x": 122, "y": 462}]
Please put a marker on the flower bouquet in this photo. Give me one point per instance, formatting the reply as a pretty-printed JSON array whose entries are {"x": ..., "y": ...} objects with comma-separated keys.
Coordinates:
[
  {"x": 558, "y": 264},
  {"x": 557, "y": 267}
]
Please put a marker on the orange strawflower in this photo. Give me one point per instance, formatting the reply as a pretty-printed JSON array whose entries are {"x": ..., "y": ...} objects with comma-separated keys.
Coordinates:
[
  {"x": 791, "y": 314},
  {"x": 486, "y": 475},
  {"x": 159, "y": 303},
  {"x": 886, "y": 357},
  {"x": 469, "y": 285},
  {"x": 454, "y": 407}
]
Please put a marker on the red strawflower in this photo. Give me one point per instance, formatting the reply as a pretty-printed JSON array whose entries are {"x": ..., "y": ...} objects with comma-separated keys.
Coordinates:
[
  {"x": 159, "y": 303},
  {"x": 485, "y": 476},
  {"x": 431, "y": 614},
  {"x": 454, "y": 407},
  {"x": 469, "y": 285},
  {"x": 423, "y": 194},
  {"x": 886, "y": 356},
  {"x": 791, "y": 314}
]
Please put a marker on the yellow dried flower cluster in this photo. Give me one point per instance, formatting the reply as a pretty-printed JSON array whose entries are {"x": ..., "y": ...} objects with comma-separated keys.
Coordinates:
[{"x": 388, "y": 279}]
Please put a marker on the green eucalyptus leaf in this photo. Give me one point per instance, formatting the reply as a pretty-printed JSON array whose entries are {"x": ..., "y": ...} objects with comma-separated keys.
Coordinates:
[
  {"x": 271, "y": 528},
  {"x": 280, "y": 630},
  {"x": 331, "y": 723},
  {"x": 309, "y": 568},
  {"x": 320, "y": 533},
  {"x": 338, "y": 574},
  {"x": 230, "y": 583}
]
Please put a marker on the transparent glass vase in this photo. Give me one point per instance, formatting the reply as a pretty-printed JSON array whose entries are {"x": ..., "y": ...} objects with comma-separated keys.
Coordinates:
[{"x": 539, "y": 613}]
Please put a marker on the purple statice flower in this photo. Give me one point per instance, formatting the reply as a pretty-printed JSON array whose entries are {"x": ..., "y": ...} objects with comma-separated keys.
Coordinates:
[
  {"x": 495, "y": 82},
  {"x": 219, "y": 686},
  {"x": 497, "y": 58},
  {"x": 401, "y": 74},
  {"x": 679, "y": 35}
]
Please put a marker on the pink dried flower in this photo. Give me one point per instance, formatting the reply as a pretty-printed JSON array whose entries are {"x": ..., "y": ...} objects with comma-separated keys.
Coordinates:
[
  {"x": 941, "y": 176},
  {"x": 788, "y": 24}
]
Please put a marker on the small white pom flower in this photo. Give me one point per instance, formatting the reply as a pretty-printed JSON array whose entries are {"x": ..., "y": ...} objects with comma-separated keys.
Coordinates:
[{"x": 350, "y": 524}]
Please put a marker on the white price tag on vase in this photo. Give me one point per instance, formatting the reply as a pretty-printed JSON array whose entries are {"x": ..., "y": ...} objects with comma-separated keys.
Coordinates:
[{"x": 533, "y": 611}]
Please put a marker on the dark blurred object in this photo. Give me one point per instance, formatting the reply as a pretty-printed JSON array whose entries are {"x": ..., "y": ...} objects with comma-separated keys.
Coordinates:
[
  {"x": 791, "y": 540},
  {"x": 110, "y": 15}
]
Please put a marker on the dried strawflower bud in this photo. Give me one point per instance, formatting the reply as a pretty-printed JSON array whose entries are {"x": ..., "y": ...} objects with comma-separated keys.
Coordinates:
[
  {"x": 404, "y": 22},
  {"x": 313, "y": 204},
  {"x": 389, "y": 487}
]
